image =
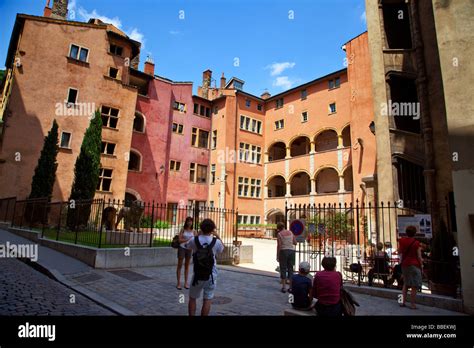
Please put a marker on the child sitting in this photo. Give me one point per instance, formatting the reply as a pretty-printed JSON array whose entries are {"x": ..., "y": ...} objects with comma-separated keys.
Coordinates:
[{"x": 301, "y": 289}]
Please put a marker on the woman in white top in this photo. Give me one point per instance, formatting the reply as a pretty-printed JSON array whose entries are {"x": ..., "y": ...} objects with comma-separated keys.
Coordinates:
[
  {"x": 186, "y": 233},
  {"x": 286, "y": 242}
]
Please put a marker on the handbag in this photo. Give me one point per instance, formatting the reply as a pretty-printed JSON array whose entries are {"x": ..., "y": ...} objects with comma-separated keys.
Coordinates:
[
  {"x": 175, "y": 242},
  {"x": 348, "y": 303}
]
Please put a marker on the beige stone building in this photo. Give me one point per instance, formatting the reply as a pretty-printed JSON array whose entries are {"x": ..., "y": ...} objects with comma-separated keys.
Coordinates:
[{"x": 422, "y": 85}]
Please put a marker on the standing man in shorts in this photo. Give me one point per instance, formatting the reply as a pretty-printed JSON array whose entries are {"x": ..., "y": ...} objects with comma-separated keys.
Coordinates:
[{"x": 205, "y": 247}]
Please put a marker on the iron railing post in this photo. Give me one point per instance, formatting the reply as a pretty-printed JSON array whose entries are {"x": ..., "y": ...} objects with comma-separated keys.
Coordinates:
[
  {"x": 358, "y": 243},
  {"x": 13, "y": 216},
  {"x": 152, "y": 224}
]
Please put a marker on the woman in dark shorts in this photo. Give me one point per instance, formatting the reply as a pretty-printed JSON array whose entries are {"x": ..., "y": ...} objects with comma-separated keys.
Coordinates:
[
  {"x": 412, "y": 265},
  {"x": 184, "y": 254}
]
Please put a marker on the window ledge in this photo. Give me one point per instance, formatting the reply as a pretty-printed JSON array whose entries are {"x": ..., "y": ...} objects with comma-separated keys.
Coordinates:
[
  {"x": 138, "y": 132},
  {"x": 106, "y": 155},
  {"x": 77, "y": 62},
  {"x": 332, "y": 113},
  {"x": 330, "y": 89},
  {"x": 247, "y": 131},
  {"x": 110, "y": 78},
  {"x": 253, "y": 198},
  {"x": 104, "y": 192},
  {"x": 202, "y": 116},
  {"x": 65, "y": 149},
  {"x": 110, "y": 128}
]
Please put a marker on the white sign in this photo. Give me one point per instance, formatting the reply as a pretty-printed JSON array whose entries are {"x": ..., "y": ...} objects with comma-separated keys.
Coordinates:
[{"x": 422, "y": 222}]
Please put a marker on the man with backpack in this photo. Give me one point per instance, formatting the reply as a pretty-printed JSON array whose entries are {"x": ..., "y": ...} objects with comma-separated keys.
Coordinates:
[{"x": 205, "y": 247}]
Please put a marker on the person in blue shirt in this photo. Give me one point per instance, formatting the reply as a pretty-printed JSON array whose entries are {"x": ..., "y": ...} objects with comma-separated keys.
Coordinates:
[{"x": 301, "y": 289}]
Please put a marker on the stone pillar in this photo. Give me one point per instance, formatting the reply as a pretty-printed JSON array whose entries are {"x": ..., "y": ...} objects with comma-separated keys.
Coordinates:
[
  {"x": 341, "y": 183},
  {"x": 265, "y": 191},
  {"x": 313, "y": 186},
  {"x": 340, "y": 141},
  {"x": 312, "y": 147},
  {"x": 288, "y": 189},
  {"x": 265, "y": 157},
  {"x": 288, "y": 152}
]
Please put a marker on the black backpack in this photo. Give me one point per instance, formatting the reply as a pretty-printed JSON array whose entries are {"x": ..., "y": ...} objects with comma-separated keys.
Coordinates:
[{"x": 203, "y": 260}]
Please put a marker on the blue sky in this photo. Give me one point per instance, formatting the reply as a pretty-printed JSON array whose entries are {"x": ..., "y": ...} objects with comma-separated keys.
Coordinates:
[{"x": 277, "y": 44}]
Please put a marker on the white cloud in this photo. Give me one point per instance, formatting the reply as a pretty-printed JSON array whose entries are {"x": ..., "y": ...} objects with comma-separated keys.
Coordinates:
[
  {"x": 85, "y": 15},
  {"x": 133, "y": 33},
  {"x": 363, "y": 17},
  {"x": 278, "y": 68},
  {"x": 174, "y": 32},
  {"x": 284, "y": 82}
]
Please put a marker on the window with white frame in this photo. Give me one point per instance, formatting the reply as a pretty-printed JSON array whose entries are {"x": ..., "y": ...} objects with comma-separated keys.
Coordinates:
[
  {"x": 249, "y": 187},
  {"x": 214, "y": 139},
  {"x": 250, "y": 124},
  {"x": 181, "y": 107},
  {"x": 248, "y": 219},
  {"x": 175, "y": 166},
  {"x": 304, "y": 116},
  {"x": 109, "y": 116},
  {"x": 107, "y": 148},
  {"x": 72, "y": 96},
  {"x": 332, "y": 108},
  {"x": 65, "y": 140},
  {"x": 279, "y": 124},
  {"x": 250, "y": 153},
  {"x": 79, "y": 53},
  {"x": 105, "y": 180},
  {"x": 177, "y": 128}
]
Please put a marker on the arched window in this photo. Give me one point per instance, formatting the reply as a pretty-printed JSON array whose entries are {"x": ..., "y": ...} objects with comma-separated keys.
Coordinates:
[
  {"x": 326, "y": 140},
  {"x": 139, "y": 123},
  {"x": 348, "y": 182},
  {"x": 327, "y": 181},
  {"x": 277, "y": 187},
  {"x": 300, "y": 146},
  {"x": 300, "y": 184},
  {"x": 346, "y": 136},
  {"x": 135, "y": 161},
  {"x": 277, "y": 152}
]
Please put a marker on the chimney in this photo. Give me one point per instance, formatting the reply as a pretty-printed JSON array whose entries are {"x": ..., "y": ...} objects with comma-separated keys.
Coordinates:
[
  {"x": 59, "y": 9},
  {"x": 222, "y": 81},
  {"x": 206, "y": 83},
  {"x": 265, "y": 95},
  {"x": 47, "y": 9},
  {"x": 149, "y": 66}
]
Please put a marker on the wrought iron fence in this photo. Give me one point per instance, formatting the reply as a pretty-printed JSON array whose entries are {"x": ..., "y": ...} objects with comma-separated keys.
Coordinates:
[
  {"x": 112, "y": 223},
  {"x": 364, "y": 237}
]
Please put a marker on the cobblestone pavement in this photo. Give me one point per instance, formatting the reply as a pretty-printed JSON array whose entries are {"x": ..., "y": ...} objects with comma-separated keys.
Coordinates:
[
  {"x": 151, "y": 291},
  {"x": 25, "y": 291}
]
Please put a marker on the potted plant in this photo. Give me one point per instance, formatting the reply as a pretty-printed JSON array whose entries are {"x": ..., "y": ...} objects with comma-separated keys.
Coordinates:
[{"x": 443, "y": 270}]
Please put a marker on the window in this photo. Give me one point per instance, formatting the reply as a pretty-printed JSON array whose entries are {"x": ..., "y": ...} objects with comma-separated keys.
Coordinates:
[
  {"x": 208, "y": 112},
  {"x": 200, "y": 138},
  {"x": 107, "y": 148},
  {"x": 248, "y": 219},
  {"x": 250, "y": 153},
  {"x": 105, "y": 180},
  {"x": 304, "y": 116},
  {"x": 249, "y": 187},
  {"x": 197, "y": 173},
  {"x": 177, "y": 128},
  {"x": 279, "y": 103},
  {"x": 113, "y": 73},
  {"x": 238, "y": 85},
  {"x": 175, "y": 166},
  {"x": 65, "y": 140},
  {"x": 334, "y": 83},
  {"x": 332, "y": 108},
  {"x": 181, "y": 107},
  {"x": 279, "y": 124},
  {"x": 214, "y": 139},
  {"x": 79, "y": 53},
  {"x": 196, "y": 108},
  {"x": 201, "y": 110},
  {"x": 211, "y": 204},
  {"x": 250, "y": 124},
  {"x": 213, "y": 174},
  {"x": 117, "y": 50},
  {"x": 216, "y": 110},
  {"x": 135, "y": 161},
  {"x": 109, "y": 117},
  {"x": 247, "y": 103},
  {"x": 303, "y": 94},
  {"x": 139, "y": 123},
  {"x": 259, "y": 107},
  {"x": 72, "y": 96}
]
